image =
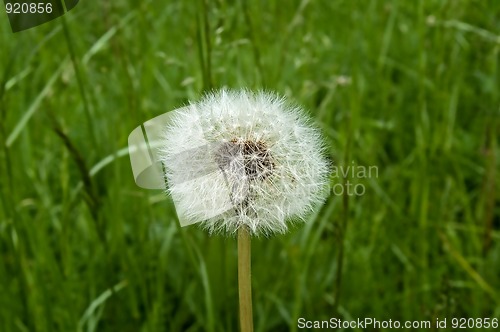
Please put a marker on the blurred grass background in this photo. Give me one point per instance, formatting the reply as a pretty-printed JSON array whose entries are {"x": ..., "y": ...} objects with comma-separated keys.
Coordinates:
[{"x": 408, "y": 86}]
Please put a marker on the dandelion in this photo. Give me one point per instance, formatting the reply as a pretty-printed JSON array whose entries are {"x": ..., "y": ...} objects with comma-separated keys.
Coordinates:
[
  {"x": 246, "y": 163},
  {"x": 238, "y": 158}
]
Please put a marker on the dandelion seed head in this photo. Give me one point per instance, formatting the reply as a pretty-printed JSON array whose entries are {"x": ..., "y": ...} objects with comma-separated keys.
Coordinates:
[{"x": 240, "y": 158}]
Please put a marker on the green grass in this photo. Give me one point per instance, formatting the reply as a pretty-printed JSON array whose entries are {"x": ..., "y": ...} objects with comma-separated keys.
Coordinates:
[{"x": 82, "y": 248}]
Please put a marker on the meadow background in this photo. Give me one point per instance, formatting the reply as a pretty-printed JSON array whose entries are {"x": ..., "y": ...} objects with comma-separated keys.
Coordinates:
[{"x": 410, "y": 87}]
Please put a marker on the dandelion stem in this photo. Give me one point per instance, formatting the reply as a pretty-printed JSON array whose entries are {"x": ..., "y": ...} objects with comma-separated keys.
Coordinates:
[{"x": 244, "y": 279}]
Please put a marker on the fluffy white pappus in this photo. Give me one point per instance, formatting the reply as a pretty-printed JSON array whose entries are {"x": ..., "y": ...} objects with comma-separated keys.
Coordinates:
[{"x": 240, "y": 158}]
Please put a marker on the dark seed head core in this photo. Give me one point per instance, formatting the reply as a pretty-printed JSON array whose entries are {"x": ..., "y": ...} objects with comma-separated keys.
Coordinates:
[{"x": 252, "y": 158}]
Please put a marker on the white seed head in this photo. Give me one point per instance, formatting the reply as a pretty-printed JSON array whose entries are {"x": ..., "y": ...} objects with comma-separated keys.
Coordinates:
[{"x": 242, "y": 158}]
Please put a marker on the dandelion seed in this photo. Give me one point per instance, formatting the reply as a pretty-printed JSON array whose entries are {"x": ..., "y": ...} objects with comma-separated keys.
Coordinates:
[
  {"x": 238, "y": 158},
  {"x": 343, "y": 80}
]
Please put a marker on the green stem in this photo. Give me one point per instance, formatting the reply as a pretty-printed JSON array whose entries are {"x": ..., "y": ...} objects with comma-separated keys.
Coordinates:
[
  {"x": 245, "y": 279},
  {"x": 79, "y": 80}
]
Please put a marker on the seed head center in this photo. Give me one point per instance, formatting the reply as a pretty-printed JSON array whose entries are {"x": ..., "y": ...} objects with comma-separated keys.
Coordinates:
[{"x": 249, "y": 159}]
